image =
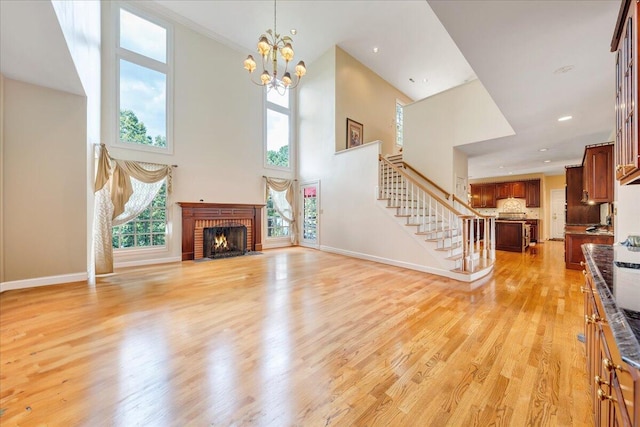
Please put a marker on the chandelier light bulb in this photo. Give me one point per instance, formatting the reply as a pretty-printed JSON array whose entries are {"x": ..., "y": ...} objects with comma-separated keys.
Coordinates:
[
  {"x": 287, "y": 52},
  {"x": 301, "y": 70},
  {"x": 265, "y": 78},
  {"x": 249, "y": 64},
  {"x": 286, "y": 79},
  {"x": 263, "y": 46}
]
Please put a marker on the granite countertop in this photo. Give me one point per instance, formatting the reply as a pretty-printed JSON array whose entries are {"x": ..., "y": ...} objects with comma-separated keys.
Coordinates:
[
  {"x": 592, "y": 233},
  {"x": 624, "y": 322}
]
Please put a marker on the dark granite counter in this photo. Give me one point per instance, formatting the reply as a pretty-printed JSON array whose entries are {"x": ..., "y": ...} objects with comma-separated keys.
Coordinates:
[{"x": 616, "y": 276}]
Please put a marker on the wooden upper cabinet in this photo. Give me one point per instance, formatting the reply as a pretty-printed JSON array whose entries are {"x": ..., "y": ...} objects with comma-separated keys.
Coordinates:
[
  {"x": 598, "y": 173},
  {"x": 625, "y": 44},
  {"x": 578, "y": 212},
  {"x": 507, "y": 190},
  {"x": 533, "y": 193},
  {"x": 483, "y": 195},
  {"x": 518, "y": 190}
]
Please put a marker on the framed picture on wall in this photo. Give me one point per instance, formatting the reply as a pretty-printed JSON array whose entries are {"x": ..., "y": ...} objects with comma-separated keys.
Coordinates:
[{"x": 355, "y": 133}]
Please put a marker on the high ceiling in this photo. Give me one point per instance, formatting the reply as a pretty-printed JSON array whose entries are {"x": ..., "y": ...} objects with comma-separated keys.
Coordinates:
[{"x": 514, "y": 47}]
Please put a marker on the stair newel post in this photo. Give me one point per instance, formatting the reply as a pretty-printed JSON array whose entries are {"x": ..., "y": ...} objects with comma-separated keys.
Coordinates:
[
  {"x": 485, "y": 237},
  {"x": 465, "y": 245},
  {"x": 380, "y": 178},
  {"x": 492, "y": 250}
]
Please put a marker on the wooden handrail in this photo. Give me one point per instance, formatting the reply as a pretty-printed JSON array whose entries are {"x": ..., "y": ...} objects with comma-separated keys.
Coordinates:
[
  {"x": 448, "y": 195},
  {"x": 466, "y": 205},
  {"x": 442, "y": 190},
  {"x": 423, "y": 188}
]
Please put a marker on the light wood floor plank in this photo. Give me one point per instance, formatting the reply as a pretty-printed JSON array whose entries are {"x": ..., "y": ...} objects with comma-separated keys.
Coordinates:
[{"x": 298, "y": 337}]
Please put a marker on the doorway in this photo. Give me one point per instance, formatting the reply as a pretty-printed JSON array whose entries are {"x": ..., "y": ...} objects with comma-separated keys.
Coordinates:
[
  {"x": 558, "y": 203},
  {"x": 310, "y": 213}
]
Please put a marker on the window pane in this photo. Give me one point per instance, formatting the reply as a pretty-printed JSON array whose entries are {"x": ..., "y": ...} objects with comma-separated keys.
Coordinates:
[
  {"x": 277, "y": 139},
  {"x": 144, "y": 239},
  {"x": 143, "y": 105},
  {"x": 276, "y": 98},
  {"x": 158, "y": 240},
  {"x": 158, "y": 227},
  {"x": 127, "y": 241},
  {"x": 143, "y": 37}
]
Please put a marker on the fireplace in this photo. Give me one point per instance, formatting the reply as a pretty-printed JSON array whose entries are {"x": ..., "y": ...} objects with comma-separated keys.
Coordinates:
[
  {"x": 198, "y": 216},
  {"x": 224, "y": 241}
]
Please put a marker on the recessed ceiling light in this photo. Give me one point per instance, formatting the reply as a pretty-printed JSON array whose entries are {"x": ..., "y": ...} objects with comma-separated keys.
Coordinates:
[
  {"x": 425, "y": 80},
  {"x": 565, "y": 118},
  {"x": 500, "y": 167},
  {"x": 543, "y": 149},
  {"x": 510, "y": 173},
  {"x": 547, "y": 161},
  {"x": 294, "y": 31},
  {"x": 564, "y": 69},
  {"x": 375, "y": 49}
]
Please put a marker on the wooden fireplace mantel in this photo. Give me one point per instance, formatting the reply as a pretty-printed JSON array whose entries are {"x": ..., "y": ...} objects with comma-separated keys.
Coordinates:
[{"x": 196, "y": 212}]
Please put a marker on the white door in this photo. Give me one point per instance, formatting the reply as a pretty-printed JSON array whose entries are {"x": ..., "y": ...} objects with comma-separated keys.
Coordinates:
[
  {"x": 310, "y": 213},
  {"x": 557, "y": 214}
]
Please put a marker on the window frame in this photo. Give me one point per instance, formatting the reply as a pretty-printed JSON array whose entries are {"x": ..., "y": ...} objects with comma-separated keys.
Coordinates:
[
  {"x": 150, "y": 248},
  {"x": 267, "y": 105},
  {"x": 286, "y": 237},
  {"x": 146, "y": 62}
]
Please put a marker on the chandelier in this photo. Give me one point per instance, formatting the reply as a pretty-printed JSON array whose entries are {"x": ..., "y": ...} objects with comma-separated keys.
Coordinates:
[{"x": 268, "y": 45}]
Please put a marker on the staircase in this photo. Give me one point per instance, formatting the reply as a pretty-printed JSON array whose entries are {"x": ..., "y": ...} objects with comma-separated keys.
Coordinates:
[{"x": 462, "y": 238}]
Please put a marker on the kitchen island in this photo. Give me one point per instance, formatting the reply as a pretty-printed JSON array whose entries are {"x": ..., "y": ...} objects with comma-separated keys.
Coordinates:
[{"x": 512, "y": 236}]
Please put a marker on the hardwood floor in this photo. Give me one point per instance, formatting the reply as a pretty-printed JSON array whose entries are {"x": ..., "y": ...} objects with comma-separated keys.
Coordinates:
[{"x": 298, "y": 337}]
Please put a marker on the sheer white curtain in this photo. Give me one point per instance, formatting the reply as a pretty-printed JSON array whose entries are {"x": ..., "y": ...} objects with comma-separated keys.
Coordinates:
[
  {"x": 133, "y": 186},
  {"x": 282, "y": 193}
]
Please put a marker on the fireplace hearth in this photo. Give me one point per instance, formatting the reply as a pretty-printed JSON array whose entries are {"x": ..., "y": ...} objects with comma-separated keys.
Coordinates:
[{"x": 223, "y": 241}]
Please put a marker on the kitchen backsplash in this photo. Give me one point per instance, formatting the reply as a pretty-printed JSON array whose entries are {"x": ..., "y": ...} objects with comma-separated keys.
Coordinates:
[{"x": 512, "y": 205}]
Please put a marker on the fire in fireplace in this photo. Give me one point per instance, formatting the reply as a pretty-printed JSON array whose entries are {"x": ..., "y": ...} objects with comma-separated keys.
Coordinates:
[{"x": 225, "y": 241}]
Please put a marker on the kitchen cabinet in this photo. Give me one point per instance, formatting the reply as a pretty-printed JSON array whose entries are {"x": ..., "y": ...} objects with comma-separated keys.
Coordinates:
[
  {"x": 597, "y": 174},
  {"x": 533, "y": 193},
  {"x": 574, "y": 238},
  {"x": 483, "y": 195},
  {"x": 625, "y": 44},
  {"x": 509, "y": 190},
  {"x": 512, "y": 236},
  {"x": 578, "y": 212},
  {"x": 614, "y": 385}
]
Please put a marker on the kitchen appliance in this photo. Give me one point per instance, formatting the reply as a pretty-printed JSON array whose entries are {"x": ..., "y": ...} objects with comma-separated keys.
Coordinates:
[{"x": 512, "y": 216}]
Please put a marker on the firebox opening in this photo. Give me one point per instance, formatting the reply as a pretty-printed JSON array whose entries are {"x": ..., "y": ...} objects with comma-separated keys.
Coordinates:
[{"x": 225, "y": 241}]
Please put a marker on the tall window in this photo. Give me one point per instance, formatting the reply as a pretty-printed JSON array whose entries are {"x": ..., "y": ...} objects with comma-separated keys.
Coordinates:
[
  {"x": 399, "y": 123},
  {"x": 143, "y": 76},
  {"x": 278, "y": 130},
  {"x": 148, "y": 229},
  {"x": 276, "y": 225}
]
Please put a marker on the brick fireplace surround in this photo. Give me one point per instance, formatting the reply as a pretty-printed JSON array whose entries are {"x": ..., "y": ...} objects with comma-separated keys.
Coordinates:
[{"x": 197, "y": 216}]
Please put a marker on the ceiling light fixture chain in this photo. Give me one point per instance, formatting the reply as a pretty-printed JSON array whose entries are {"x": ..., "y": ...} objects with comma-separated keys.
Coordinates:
[{"x": 269, "y": 44}]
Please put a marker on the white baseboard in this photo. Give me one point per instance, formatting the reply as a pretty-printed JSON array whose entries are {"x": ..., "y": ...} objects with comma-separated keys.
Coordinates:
[
  {"x": 402, "y": 264},
  {"x": 43, "y": 281},
  {"x": 276, "y": 244},
  {"x": 141, "y": 262}
]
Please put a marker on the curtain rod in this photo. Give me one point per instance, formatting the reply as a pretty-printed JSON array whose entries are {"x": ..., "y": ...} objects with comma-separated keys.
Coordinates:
[
  {"x": 102, "y": 144},
  {"x": 271, "y": 177}
]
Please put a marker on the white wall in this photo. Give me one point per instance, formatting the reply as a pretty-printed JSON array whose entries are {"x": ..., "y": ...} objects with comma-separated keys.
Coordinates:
[
  {"x": 434, "y": 125},
  {"x": 627, "y": 220},
  {"x": 44, "y": 184}
]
